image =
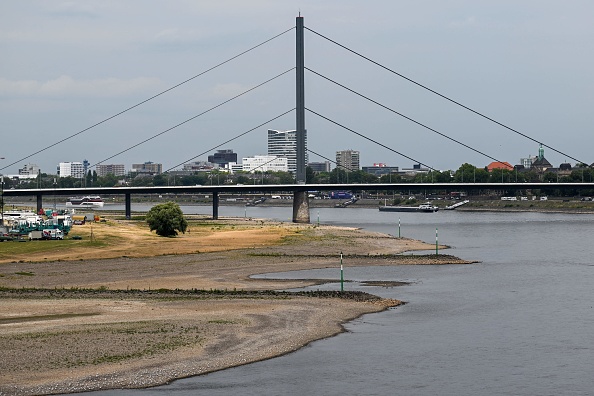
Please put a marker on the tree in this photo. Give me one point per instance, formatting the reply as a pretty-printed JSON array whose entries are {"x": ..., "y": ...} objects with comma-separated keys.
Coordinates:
[
  {"x": 166, "y": 219},
  {"x": 439, "y": 177},
  {"x": 108, "y": 180},
  {"x": 285, "y": 177},
  {"x": 89, "y": 179},
  {"x": 310, "y": 175}
]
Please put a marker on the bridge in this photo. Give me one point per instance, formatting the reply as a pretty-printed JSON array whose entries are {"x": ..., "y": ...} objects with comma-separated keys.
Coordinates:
[{"x": 300, "y": 191}]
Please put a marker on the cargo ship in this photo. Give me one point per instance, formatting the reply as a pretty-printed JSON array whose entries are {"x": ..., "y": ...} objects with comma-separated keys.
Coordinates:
[{"x": 426, "y": 208}]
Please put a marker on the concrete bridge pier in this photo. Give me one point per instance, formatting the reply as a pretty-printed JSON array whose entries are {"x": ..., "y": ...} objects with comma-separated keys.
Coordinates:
[
  {"x": 215, "y": 205},
  {"x": 300, "y": 207},
  {"x": 128, "y": 206},
  {"x": 39, "y": 203}
]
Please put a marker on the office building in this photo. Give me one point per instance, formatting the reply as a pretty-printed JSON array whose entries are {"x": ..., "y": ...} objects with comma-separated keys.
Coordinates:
[
  {"x": 71, "y": 169},
  {"x": 148, "y": 168},
  {"x": 198, "y": 166},
  {"x": 110, "y": 169},
  {"x": 527, "y": 162},
  {"x": 265, "y": 163},
  {"x": 283, "y": 144},
  {"x": 222, "y": 158},
  {"x": 320, "y": 166},
  {"x": 29, "y": 170},
  {"x": 380, "y": 169},
  {"x": 347, "y": 160}
]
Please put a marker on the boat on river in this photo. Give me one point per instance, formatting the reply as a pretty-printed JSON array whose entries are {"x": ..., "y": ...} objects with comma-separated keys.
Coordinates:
[
  {"x": 90, "y": 201},
  {"x": 425, "y": 208}
]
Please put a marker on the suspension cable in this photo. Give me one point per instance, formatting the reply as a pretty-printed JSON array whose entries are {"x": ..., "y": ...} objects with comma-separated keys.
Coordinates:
[
  {"x": 443, "y": 96},
  {"x": 191, "y": 118},
  {"x": 371, "y": 140},
  {"x": 406, "y": 117},
  {"x": 151, "y": 98},
  {"x": 328, "y": 159},
  {"x": 232, "y": 139}
]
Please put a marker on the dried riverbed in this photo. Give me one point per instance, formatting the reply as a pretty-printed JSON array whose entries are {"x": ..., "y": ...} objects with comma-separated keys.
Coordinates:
[{"x": 87, "y": 322}]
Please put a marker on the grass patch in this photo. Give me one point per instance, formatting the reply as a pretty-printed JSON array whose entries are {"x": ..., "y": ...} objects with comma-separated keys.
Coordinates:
[
  {"x": 11, "y": 250},
  {"x": 25, "y": 273}
]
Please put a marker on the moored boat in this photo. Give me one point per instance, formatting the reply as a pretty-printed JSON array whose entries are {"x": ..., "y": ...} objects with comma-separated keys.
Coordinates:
[
  {"x": 88, "y": 201},
  {"x": 426, "y": 208}
]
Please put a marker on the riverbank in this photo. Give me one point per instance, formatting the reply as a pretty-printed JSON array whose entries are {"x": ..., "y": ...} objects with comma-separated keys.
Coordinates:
[
  {"x": 477, "y": 203},
  {"x": 123, "y": 310}
]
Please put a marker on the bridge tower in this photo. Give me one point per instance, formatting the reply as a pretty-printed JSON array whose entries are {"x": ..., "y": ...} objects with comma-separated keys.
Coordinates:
[{"x": 300, "y": 199}]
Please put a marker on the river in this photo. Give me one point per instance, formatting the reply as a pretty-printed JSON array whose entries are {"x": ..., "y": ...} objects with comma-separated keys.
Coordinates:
[{"x": 520, "y": 322}]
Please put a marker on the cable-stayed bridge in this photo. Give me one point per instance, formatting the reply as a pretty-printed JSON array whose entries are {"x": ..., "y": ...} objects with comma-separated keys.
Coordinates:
[
  {"x": 300, "y": 191},
  {"x": 300, "y": 202}
]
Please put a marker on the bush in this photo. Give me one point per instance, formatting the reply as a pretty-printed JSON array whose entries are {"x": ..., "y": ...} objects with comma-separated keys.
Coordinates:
[{"x": 166, "y": 219}]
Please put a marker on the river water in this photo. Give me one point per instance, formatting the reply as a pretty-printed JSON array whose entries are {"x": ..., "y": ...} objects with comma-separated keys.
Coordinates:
[{"x": 520, "y": 322}]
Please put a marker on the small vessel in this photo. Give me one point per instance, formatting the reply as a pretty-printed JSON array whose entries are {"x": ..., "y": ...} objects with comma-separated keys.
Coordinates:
[
  {"x": 426, "y": 207},
  {"x": 90, "y": 201}
]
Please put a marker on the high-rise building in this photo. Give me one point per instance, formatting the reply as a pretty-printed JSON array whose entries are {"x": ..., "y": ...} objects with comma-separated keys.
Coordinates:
[
  {"x": 283, "y": 144},
  {"x": 347, "y": 160},
  {"x": 72, "y": 169},
  {"x": 110, "y": 169},
  {"x": 148, "y": 168},
  {"x": 222, "y": 157}
]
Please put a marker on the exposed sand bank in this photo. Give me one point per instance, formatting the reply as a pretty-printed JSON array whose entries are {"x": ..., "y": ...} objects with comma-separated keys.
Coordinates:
[{"x": 58, "y": 342}]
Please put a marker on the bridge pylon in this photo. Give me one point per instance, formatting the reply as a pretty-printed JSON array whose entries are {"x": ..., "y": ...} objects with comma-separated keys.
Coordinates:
[{"x": 300, "y": 199}]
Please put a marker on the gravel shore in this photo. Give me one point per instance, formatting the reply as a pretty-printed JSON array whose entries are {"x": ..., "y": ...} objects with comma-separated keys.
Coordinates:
[{"x": 128, "y": 322}]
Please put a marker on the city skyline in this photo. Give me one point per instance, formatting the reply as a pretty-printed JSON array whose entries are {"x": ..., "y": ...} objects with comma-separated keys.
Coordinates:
[
  {"x": 526, "y": 65},
  {"x": 257, "y": 161}
]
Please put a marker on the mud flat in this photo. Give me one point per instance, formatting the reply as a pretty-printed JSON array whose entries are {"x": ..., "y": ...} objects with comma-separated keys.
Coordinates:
[{"x": 92, "y": 321}]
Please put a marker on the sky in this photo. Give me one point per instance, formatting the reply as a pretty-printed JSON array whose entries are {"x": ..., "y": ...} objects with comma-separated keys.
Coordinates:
[{"x": 68, "y": 65}]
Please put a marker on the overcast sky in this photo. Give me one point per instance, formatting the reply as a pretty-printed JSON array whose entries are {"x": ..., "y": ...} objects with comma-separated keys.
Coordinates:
[{"x": 66, "y": 65}]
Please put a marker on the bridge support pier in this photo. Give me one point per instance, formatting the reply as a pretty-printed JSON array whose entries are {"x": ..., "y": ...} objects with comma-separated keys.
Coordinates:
[
  {"x": 39, "y": 203},
  {"x": 215, "y": 205},
  {"x": 128, "y": 206},
  {"x": 300, "y": 207}
]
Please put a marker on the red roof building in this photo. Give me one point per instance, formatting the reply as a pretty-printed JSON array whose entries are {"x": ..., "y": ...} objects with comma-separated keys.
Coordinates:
[{"x": 499, "y": 165}]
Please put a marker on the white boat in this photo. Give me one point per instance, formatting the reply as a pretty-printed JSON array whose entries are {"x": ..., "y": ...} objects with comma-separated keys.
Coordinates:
[{"x": 90, "y": 201}]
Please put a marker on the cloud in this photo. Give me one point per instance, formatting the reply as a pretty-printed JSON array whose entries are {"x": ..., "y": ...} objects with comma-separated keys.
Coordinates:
[{"x": 67, "y": 86}]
